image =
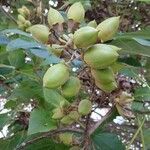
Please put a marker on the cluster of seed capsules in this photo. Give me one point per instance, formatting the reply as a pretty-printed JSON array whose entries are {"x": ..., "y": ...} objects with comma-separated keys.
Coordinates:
[
  {"x": 23, "y": 18},
  {"x": 101, "y": 58}
]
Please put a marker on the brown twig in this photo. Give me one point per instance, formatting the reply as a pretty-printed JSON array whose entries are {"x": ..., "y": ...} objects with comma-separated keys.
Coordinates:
[
  {"x": 47, "y": 135},
  {"x": 92, "y": 130},
  {"x": 86, "y": 134},
  {"x": 7, "y": 14}
]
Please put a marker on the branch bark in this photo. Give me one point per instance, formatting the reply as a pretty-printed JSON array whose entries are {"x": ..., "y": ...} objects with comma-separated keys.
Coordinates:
[
  {"x": 47, "y": 135},
  {"x": 92, "y": 130},
  {"x": 7, "y": 14}
]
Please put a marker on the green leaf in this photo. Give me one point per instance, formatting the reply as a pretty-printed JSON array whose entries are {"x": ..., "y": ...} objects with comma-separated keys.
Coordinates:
[
  {"x": 19, "y": 43},
  {"x": 46, "y": 144},
  {"x": 143, "y": 34},
  {"x": 51, "y": 59},
  {"x": 40, "y": 121},
  {"x": 132, "y": 61},
  {"x": 129, "y": 71},
  {"x": 15, "y": 31},
  {"x": 107, "y": 141},
  {"x": 40, "y": 52},
  {"x": 17, "y": 58},
  {"x": 4, "y": 40},
  {"x": 146, "y": 1},
  {"x": 4, "y": 118},
  {"x": 142, "y": 42},
  {"x": 142, "y": 93},
  {"x": 53, "y": 97},
  {"x": 146, "y": 133},
  {"x": 139, "y": 107},
  {"x": 131, "y": 46},
  {"x": 11, "y": 143},
  {"x": 5, "y": 69},
  {"x": 27, "y": 90}
]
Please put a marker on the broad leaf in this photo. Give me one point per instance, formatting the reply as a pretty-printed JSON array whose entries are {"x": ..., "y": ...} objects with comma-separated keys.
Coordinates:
[
  {"x": 147, "y": 138},
  {"x": 27, "y": 90},
  {"x": 107, "y": 141},
  {"x": 17, "y": 58},
  {"x": 131, "y": 46},
  {"x": 40, "y": 52},
  {"x": 15, "y": 31},
  {"x": 139, "y": 107},
  {"x": 4, "y": 40},
  {"x": 143, "y": 34},
  {"x": 142, "y": 93},
  {"x": 53, "y": 97},
  {"x": 46, "y": 144},
  {"x": 19, "y": 43},
  {"x": 13, "y": 142},
  {"x": 52, "y": 59},
  {"x": 4, "y": 118},
  {"x": 40, "y": 121},
  {"x": 142, "y": 41}
]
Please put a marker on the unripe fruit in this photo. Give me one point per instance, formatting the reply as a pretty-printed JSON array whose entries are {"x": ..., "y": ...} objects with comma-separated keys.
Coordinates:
[
  {"x": 108, "y": 28},
  {"x": 21, "y": 19},
  {"x": 85, "y": 107},
  {"x": 92, "y": 24},
  {"x": 57, "y": 49},
  {"x": 26, "y": 10},
  {"x": 56, "y": 76},
  {"x": 58, "y": 113},
  {"x": 74, "y": 115},
  {"x": 64, "y": 103},
  {"x": 108, "y": 88},
  {"x": 66, "y": 120},
  {"x": 76, "y": 12},
  {"x": 39, "y": 32},
  {"x": 27, "y": 23},
  {"x": 71, "y": 87},
  {"x": 114, "y": 47},
  {"x": 85, "y": 36},
  {"x": 103, "y": 76},
  {"x": 54, "y": 17},
  {"x": 21, "y": 12},
  {"x": 21, "y": 25},
  {"x": 100, "y": 56},
  {"x": 66, "y": 138}
]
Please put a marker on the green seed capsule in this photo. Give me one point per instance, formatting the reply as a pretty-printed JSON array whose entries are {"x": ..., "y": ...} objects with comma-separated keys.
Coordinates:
[
  {"x": 71, "y": 87},
  {"x": 103, "y": 76},
  {"x": 85, "y": 107},
  {"x": 108, "y": 88},
  {"x": 66, "y": 138},
  {"x": 92, "y": 24},
  {"x": 58, "y": 113},
  {"x": 76, "y": 12},
  {"x": 21, "y": 19},
  {"x": 54, "y": 17},
  {"x": 39, "y": 32},
  {"x": 85, "y": 37},
  {"x": 108, "y": 28},
  {"x": 56, "y": 76},
  {"x": 100, "y": 56},
  {"x": 66, "y": 120}
]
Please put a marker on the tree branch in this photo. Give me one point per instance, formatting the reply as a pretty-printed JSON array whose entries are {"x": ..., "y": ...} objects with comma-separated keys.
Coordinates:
[
  {"x": 47, "y": 135},
  {"x": 7, "y": 14},
  {"x": 100, "y": 121}
]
